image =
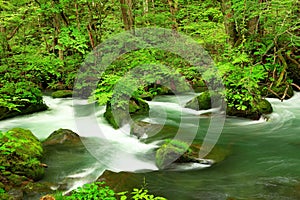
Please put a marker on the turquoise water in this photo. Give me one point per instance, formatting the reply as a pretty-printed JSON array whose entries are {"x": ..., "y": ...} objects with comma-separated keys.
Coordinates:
[{"x": 264, "y": 162}]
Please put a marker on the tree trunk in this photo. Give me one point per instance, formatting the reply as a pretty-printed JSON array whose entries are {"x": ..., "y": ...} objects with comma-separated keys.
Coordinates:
[
  {"x": 173, "y": 4},
  {"x": 127, "y": 14},
  {"x": 229, "y": 23},
  {"x": 146, "y": 6}
]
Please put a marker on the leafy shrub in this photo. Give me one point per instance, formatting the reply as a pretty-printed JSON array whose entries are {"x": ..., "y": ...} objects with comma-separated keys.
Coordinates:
[
  {"x": 16, "y": 95},
  {"x": 98, "y": 190},
  {"x": 95, "y": 190}
]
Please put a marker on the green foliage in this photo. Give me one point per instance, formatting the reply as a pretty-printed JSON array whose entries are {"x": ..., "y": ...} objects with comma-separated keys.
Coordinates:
[
  {"x": 241, "y": 79},
  {"x": 145, "y": 72},
  {"x": 16, "y": 95},
  {"x": 95, "y": 190},
  {"x": 98, "y": 190},
  {"x": 20, "y": 152},
  {"x": 142, "y": 194}
]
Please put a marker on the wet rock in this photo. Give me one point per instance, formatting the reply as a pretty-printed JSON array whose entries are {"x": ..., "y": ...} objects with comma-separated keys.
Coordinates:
[
  {"x": 175, "y": 151},
  {"x": 172, "y": 151},
  {"x": 31, "y": 190},
  {"x": 20, "y": 153},
  {"x": 16, "y": 194},
  {"x": 62, "y": 137},
  {"x": 144, "y": 129},
  {"x": 201, "y": 102},
  {"x": 261, "y": 108},
  {"x": 62, "y": 94},
  {"x": 117, "y": 116},
  {"x": 122, "y": 181}
]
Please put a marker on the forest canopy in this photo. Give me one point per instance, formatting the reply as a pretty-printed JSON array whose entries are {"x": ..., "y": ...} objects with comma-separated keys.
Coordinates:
[{"x": 255, "y": 44}]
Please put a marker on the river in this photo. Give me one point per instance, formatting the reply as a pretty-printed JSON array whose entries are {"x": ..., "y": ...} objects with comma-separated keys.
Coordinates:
[{"x": 264, "y": 163}]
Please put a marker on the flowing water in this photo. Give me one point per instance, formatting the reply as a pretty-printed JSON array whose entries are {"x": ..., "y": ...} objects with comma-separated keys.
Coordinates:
[{"x": 264, "y": 163}]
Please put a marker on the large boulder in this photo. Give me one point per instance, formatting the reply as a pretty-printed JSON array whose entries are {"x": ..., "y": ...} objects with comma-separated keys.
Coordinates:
[
  {"x": 201, "y": 102},
  {"x": 172, "y": 151},
  {"x": 122, "y": 181},
  {"x": 20, "y": 155},
  {"x": 117, "y": 116},
  {"x": 175, "y": 151},
  {"x": 262, "y": 107},
  {"x": 62, "y": 137},
  {"x": 142, "y": 129}
]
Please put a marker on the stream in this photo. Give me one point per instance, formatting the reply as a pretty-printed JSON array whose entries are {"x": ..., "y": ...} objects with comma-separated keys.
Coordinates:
[{"x": 264, "y": 163}]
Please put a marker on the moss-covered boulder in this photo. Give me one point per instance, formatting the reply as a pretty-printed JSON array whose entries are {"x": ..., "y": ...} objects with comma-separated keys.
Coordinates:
[
  {"x": 260, "y": 108},
  {"x": 201, "y": 102},
  {"x": 175, "y": 151},
  {"x": 62, "y": 94},
  {"x": 20, "y": 153},
  {"x": 117, "y": 116},
  {"x": 62, "y": 137},
  {"x": 172, "y": 151}
]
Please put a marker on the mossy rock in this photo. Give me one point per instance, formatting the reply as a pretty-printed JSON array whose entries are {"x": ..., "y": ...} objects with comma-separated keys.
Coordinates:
[
  {"x": 122, "y": 181},
  {"x": 135, "y": 107},
  {"x": 175, "y": 151},
  {"x": 261, "y": 107},
  {"x": 264, "y": 107},
  {"x": 32, "y": 190},
  {"x": 172, "y": 151},
  {"x": 201, "y": 102},
  {"x": 62, "y": 94},
  {"x": 62, "y": 137},
  {"x": 20, "y": 153}
]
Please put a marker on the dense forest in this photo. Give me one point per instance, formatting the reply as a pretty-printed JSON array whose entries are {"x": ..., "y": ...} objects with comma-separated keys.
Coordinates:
[{"x": 255, "y": 46}]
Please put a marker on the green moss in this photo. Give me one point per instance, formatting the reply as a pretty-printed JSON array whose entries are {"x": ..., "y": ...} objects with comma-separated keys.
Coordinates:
[
  {"x": 171, "y": 151},
  {"x": 254, "y": 112},
  {"x": 136, "y": 107},
  {"x": 108, "y": 115},
  {"x": 180, "y": 152},
  {"x": 201, "y": 102},
  {"x": 264, "y": 107},
  {"x": 20, "y": 154},
  {"x": 62, "y": 94}
]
